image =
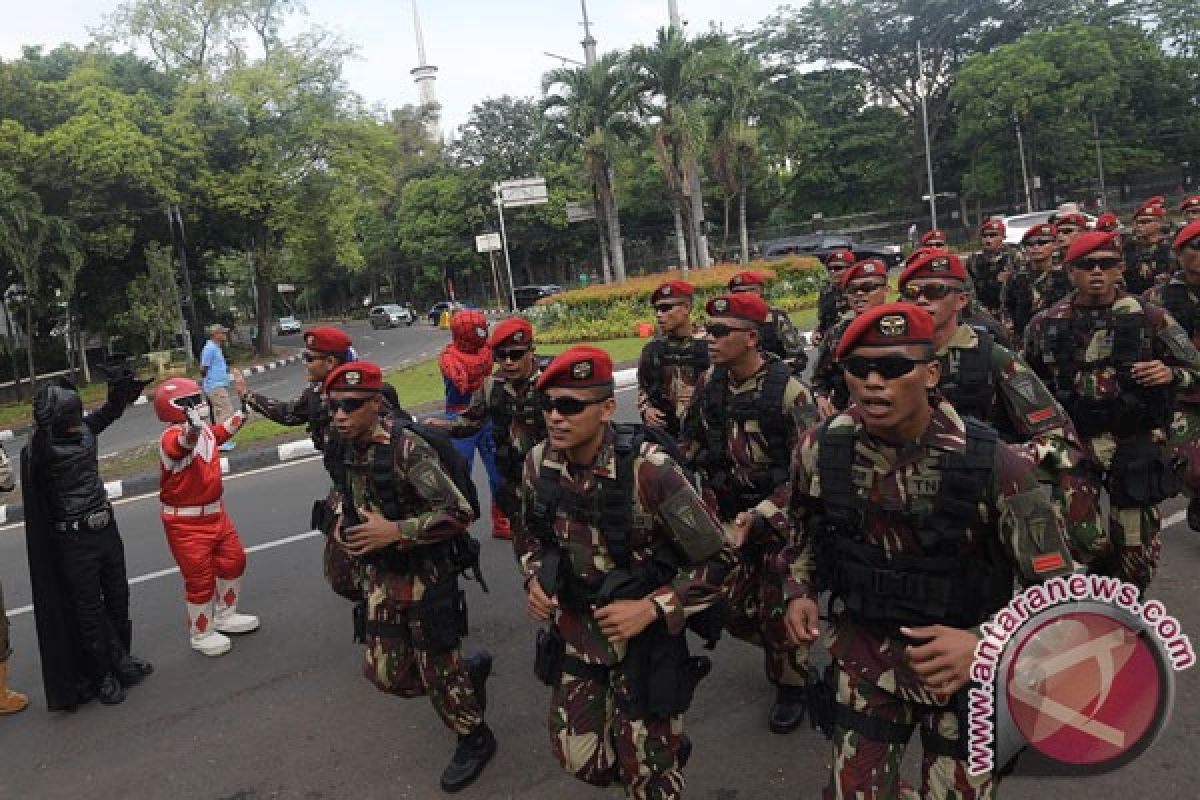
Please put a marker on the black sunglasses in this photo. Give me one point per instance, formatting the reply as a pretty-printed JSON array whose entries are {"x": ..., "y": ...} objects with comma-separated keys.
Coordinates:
[
  {"x": 1194, "y": 244},
  {"x": 311, "y": 357},
  {"x": 719, "y": 330},
  {"x": 864, "y": 288},
  {"x": 932, "y": 291},
  {"x": 1090, "y": 264},
  {"x": 1039, "y": 242},
  {"x": 347, "y": 404},
  {"x": 513, "y": 354},
  {"x": 889, "y": 367},
  {"x": 1061, "y": 231},
  {"x": 935, "y": 243},
  {"x": 665, "y": 308},
  {"x": 568, "y": 406}
]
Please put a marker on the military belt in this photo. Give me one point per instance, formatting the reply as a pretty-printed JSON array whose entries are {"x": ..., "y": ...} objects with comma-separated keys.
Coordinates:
[{"x": 89, "y": 523}]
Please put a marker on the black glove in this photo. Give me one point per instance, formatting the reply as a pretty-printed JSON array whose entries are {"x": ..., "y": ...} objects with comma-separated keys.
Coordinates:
[{"x": 125, "y": 389}]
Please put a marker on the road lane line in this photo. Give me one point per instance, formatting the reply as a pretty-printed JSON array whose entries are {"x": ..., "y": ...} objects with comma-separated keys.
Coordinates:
[{"x": 162, "y": 573}]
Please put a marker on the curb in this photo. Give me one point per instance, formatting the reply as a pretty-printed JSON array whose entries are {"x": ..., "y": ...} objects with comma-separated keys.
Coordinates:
[
  {"x": 17, "y": 433},
  {"x": 230, "y": 465}
]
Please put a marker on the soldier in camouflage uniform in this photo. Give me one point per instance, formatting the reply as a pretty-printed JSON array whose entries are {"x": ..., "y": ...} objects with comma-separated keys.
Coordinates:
[
  {"x": 1041, "y": 284},
  {"x": 864, "y": 285},
  {"x": 672, "y": 361},
  {"x": 1148, "y": 258},
  {"x": 984, "y": 379},
  {"x": 779, "y": 336},
  {"x": 1190, "y": 208},
  {"x": 1114, "y": 362},
  {"x": 1181, "y": 298},
  {"x": 743, "y": 422},
  {"x": 831, "y": 303},
  {"x": 406, "y": 519},
  {"x": 623, "y": 552},
  {"x": 992, "y": 266},
  {"x": 508, "y": 399},
  {"x": 1068, "y": 227},
  {"x": 878, "y": 501}
]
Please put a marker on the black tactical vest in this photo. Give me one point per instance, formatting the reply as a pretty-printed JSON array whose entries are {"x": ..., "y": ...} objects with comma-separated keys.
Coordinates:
[
  {"x": 971, "y": 388},
  {"x": 506, "y": 408},
  {"x": 1177, "y": 300},
  {"x": 694, "y": 356}
]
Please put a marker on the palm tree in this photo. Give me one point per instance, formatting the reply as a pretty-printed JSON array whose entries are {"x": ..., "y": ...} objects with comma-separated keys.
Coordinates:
[
  {"x": 673, "y": 78},
  {"x": 590, "y": 107},
  {"x": 751, "y": 96}
]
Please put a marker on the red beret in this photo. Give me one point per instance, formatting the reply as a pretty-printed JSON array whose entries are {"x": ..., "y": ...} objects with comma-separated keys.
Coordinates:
[
  {"x": 580, "y": 367},
  {"x": 863, "y": 269},
  {"x": 1072, "y": 218},
  {"x": 1189, "y": 232},
  {"x": 888, "y": 324},
  {"x": 839, "y": 259},
  {"x": 919, "y": 252},
  {"x": 327, "y": 340},
  {"x": 1190, "y": 203},
  {"x": 1090, "y": 242},
  {"x": 515, "y": 330},
  {"x": 749, "y": 307},
  {"x": 1040, "y": 230},
  {"x": 469, "y": 329},
  {"x": 932, "y": 235},
  {"x": 993, "y": 226},
  {"x": 1150, "y": 212},
  {"x": 357, "y": 376},
  {"x": 673, "y": 290},
  {"x": 1107, "y": 222},
  {"x": 743, "y": 279},
  {"x": 934, "y": 265}
]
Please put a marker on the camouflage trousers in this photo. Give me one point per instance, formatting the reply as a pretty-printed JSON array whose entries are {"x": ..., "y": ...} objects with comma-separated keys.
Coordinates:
[
  {"x": 598, "y": 743},
  {"x": 405, "y": 657},
  {"x": 1185, "y": 442},
  {"x": 753, "y": 593},
  {"x": 1134, "y": 533},
  {"x": 865, "y": 768}
]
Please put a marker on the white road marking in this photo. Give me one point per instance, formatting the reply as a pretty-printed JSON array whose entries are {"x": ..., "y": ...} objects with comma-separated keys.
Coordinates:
[{"x": 162, "y": 573}]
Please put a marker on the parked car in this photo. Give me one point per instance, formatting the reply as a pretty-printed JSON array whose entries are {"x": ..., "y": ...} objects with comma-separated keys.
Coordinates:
[
  {"x": 435, "y": 311},
  {"x": 389, "y": 315},
  {"x": 1015, "y": 227},
  {"x": 287, "y": 326},
  {"x": 821, "y": 245},
  {"x": 528, "y": 296}
]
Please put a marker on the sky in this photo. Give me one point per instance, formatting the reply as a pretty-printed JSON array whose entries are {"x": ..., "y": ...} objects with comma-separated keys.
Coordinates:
[{"x": 483, "y": 48}]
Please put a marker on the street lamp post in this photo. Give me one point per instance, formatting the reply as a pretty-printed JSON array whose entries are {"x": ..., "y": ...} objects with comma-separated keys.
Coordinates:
[{"x": 922, "y": 90}]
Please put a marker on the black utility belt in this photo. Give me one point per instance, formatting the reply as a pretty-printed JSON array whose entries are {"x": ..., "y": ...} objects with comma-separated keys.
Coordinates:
[{"x": 89, "y": 523}]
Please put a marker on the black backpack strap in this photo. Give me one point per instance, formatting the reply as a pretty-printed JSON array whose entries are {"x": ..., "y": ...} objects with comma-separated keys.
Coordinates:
[
  {"x": 617, "y": 496},
  {"x": 964, "y": 481},
  {"x": 976, "y": 389},
  {"x": 774, "y": 419},
  {"x": 654, "y": 380},
  {"x": 835, "y": 462},
  {"x": 382, "y": 473},
  {"x": 546, "y": 497},
  {"x": 713, "y": 405}
]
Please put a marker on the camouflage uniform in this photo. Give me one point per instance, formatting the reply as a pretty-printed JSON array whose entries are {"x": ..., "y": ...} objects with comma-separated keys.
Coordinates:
[
  {"x": 1012, "y": 526},
  {"x": 517, "y": 425},
  {"x": 1076, "y": 351},
  {"x": 1182, "y": 301},
  {"x": 1030, "y": 291},
  {"x": 780, "y": 338},
  {"x": 827, "y": 380},
  {"x": 680, "y": 360},
  {"x": 1146, "y": 265},
  {"x": 742, "y": 478},
  {"x": 592, "y": 733},
  {"x": 1011, "y": 398},
  {"x": 984, "y": 268},
  {"x": 831, "y": 306},
  {"x": 405, "y": 654}
]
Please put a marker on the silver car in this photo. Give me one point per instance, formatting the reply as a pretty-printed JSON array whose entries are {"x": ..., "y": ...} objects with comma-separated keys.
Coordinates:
[{"x": 389, "y": 316}]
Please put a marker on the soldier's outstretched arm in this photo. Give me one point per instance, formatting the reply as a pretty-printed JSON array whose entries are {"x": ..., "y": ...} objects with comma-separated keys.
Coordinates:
[
  {"x": 472, "y": 420},
  {"x": 280, "y": 411},
  {"x": 450, "y": 512}
]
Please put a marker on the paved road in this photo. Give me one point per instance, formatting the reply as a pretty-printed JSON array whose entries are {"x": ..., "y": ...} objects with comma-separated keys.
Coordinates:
[
  {"x": 389, "y": 347},
  {"x": 287, "y": 714}
]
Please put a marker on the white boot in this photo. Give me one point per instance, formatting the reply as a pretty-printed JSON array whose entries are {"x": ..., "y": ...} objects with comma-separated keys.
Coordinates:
[
  {"x": 205, "y": 638},
  {"x": 228, "y": 620}
]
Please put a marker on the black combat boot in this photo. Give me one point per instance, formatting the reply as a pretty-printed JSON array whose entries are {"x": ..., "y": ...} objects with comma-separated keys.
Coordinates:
[
  {"x": 473, "y": 753},
  {"x": 129, "y": 668},
  {"x": 788, "y": 711},
  {"x": 479, "y": 667},
  {"x": 1193, "y": 514},
  {"x": 109, "y": 690}
]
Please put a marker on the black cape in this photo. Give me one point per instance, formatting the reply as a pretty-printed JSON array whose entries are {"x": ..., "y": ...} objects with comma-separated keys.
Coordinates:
[{"x": 63, "y": 667}]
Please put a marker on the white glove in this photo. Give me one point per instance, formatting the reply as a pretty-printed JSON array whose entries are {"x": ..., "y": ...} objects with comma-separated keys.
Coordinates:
[{"x": 194, "y": 423}]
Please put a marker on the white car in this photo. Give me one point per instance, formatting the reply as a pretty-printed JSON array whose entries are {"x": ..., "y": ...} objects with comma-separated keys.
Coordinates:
[
  {"x": 1015, "y": 227},
  {"x": 287, "y": 326}
]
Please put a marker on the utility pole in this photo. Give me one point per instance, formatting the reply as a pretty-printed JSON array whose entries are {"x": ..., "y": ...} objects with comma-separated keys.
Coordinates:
[
  {"x": 589, "y": 41},
  {"x": 1099, "y": 163},
  {"x": 1024, "y": 171},
  {"x": 673, "y": 11},
  {"x": 925, "y": 131}
]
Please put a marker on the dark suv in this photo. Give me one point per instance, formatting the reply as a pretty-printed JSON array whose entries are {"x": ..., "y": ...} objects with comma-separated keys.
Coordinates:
[
  {"x": 820, "y": 245},
  {"x": 527, "y": 296}
]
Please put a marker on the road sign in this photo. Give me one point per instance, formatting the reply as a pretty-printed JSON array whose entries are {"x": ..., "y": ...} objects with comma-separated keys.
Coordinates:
[
  {"x": 523, "y": 192},
  {"x": 580, "y": 212},
  {"x": 285, "y": 288},
  {"x": 488, "y": 243}
]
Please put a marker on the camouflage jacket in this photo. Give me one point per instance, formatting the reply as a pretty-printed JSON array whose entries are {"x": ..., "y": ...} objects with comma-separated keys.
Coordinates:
[
  {"x": 984, "y": 269},
  {"x": 1146, "y": 265},
  {"x": 667, "y": 512},
  {"x": 746, "y": 453},
  {"x": 1093, "y": 375},
  {"x": 1030, "y": 291},
  {"x": 1182, "y": 301},
  {"x": 671, "y": 388},
  {"x": 432, "y": 509},
  {"x": 893, "y": 485},
  {"x": 831, "y": 305},
  {"x": 309, "y": 409},
  {"x": 826, "y": 380},
  {"x": 782, "y": 339},
  {"x": 496, "y": 400}
]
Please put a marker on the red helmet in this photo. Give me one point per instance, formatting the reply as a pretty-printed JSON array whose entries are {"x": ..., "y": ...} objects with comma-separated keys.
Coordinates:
[{"x": 172, "y": 397}]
